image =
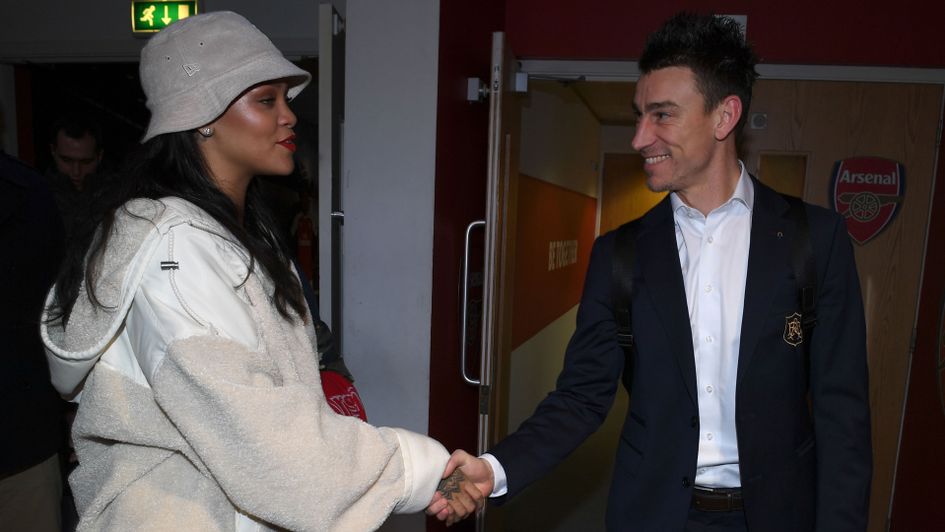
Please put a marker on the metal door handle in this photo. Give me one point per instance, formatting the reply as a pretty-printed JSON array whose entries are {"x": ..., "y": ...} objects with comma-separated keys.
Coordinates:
[{"x": 462, "y": 349}]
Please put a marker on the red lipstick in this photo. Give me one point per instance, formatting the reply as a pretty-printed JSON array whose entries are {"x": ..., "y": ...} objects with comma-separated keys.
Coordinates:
[{"x": 288, "y": 143}]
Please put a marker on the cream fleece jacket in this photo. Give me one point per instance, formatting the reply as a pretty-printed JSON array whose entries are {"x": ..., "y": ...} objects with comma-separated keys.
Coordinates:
[{"x": 201, "y": 407}]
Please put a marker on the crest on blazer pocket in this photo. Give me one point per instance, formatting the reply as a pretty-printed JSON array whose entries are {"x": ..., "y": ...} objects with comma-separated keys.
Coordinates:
[{"x": 793, "y": 333}]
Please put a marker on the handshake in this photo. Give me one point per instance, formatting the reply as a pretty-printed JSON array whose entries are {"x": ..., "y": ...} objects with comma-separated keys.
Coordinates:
[{"x": 467, "y": 481}]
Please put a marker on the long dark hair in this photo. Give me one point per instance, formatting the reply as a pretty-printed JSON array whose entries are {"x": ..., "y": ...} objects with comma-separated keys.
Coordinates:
[{"x": 173, "y": 165}]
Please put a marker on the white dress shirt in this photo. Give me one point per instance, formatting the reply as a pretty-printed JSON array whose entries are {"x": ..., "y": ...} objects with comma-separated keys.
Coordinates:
[{"x": 713, "y": 254}]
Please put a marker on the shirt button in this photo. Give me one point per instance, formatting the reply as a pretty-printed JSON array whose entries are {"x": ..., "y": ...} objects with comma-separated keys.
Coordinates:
[
  {"x": 708, "y": 288},
  {"x": 709, "y": 436},
  {"x": 708, "y": 388},
  {"x": 710, "y": 239}
]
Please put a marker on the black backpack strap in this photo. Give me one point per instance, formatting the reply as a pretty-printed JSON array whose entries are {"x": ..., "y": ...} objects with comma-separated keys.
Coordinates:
[
  {"x": 622, "y": 285},
  {"x": 804, "y": 265},
  {"x": 805, "y": 274}
]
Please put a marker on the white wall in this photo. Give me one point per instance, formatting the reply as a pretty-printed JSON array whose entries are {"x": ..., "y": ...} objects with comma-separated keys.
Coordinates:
[
  {"x": 560, "y": 138},
  {"x": 388, "y": 177},
  {"x": 100, "y": 31},
  {"x": 616, "y": 139}
]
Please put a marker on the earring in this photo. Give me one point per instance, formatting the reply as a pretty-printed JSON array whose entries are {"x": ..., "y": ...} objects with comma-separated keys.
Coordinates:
[{"x": 206, "y": 132}]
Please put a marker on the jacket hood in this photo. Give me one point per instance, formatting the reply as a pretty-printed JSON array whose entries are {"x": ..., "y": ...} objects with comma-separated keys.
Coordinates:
[{"x": 72, "y": 350}]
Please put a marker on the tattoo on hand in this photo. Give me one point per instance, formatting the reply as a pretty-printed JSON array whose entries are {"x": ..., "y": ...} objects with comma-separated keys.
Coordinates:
[{"x": 450, "y": 485}]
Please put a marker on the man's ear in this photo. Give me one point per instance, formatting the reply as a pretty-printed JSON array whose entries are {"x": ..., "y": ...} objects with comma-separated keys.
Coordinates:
[{"x": 728, "y": 114}]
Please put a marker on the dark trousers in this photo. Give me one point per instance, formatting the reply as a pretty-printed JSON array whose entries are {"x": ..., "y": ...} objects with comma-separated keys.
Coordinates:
[{"x": 733, "y": 521}]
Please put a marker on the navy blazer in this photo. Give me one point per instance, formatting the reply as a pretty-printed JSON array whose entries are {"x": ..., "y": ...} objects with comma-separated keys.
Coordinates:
[{"x": 791, "y": 480}]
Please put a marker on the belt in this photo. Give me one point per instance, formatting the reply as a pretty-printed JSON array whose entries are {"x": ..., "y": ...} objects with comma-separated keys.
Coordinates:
[{"x": 717, "y": 499}]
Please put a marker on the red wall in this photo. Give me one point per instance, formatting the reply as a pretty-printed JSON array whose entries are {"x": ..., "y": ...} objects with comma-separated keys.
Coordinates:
[
  {"x": 917, "y": 498},
  {"x": 840, "y": 32}
]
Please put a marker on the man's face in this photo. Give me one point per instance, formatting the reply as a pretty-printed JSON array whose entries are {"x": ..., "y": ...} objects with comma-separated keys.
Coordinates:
[
  {"x": 674, "y": 133},
  {"x": 76, "y": 158}
]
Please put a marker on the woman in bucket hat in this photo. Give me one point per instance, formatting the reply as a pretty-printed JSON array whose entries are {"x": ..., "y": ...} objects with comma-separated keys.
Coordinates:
[{"x": 182, "y": 329}]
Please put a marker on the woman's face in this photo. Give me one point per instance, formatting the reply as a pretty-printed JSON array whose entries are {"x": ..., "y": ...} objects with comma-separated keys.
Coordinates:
[{"x": 254, "y": 136}]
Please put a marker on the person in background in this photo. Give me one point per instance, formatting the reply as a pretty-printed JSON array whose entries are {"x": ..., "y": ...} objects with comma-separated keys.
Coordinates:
[
  {"x": 77, "y": 170},
  {"x": 76, "y": 148},
  {"x": 31, "y": 419},
  {"x": 181, "y": 329},
  {"x": 739, "y": 418}
]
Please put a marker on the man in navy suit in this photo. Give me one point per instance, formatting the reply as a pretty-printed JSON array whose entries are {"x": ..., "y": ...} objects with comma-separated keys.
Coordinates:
[{"x": 733, "y": 424}]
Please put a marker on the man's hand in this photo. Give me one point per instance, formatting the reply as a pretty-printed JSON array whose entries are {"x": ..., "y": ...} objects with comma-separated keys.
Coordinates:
[
  {"x": 467, "y": 481},
  {"x": 477, "y": 470}
]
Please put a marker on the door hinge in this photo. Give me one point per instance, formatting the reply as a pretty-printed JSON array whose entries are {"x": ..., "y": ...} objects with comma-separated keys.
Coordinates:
[{"x": 915, "y": 333}]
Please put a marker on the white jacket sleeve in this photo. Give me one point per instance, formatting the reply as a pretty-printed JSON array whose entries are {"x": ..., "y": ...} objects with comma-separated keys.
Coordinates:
[{"x": 242, "y": 386}]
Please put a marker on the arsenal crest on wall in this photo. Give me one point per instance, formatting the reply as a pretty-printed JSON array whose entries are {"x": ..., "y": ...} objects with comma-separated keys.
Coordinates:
[{"x": 867, "y": 191}]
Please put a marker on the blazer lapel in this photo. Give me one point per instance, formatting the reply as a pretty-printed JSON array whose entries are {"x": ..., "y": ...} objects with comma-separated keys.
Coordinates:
[
  {"x": 771, "y": 235},
  {"x": 662, "y": 275}
]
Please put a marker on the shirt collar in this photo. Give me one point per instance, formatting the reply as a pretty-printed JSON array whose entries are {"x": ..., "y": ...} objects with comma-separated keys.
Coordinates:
[{"x": 744, "y": 193}]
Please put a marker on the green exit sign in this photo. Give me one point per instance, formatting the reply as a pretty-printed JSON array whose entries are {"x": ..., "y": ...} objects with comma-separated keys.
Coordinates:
[{"x": 148, "y": 17}]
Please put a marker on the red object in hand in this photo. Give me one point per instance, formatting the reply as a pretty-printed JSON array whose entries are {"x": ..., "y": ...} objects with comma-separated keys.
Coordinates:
[{"x": 342, "y": 396}]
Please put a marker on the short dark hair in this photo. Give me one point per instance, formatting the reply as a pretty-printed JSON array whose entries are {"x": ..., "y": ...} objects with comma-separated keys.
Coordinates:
[
  {"x": 76, "y": 126},
  {"x": 714, "y": 48}
]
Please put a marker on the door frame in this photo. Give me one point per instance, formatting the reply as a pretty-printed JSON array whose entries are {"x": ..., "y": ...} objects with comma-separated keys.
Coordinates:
[
  {"x": 630, "y": 71},
  {"x": 329, "y": 208}
]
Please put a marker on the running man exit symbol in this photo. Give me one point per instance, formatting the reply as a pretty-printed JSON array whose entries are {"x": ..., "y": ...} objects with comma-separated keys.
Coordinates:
[{"x": 149, "y": 17}]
